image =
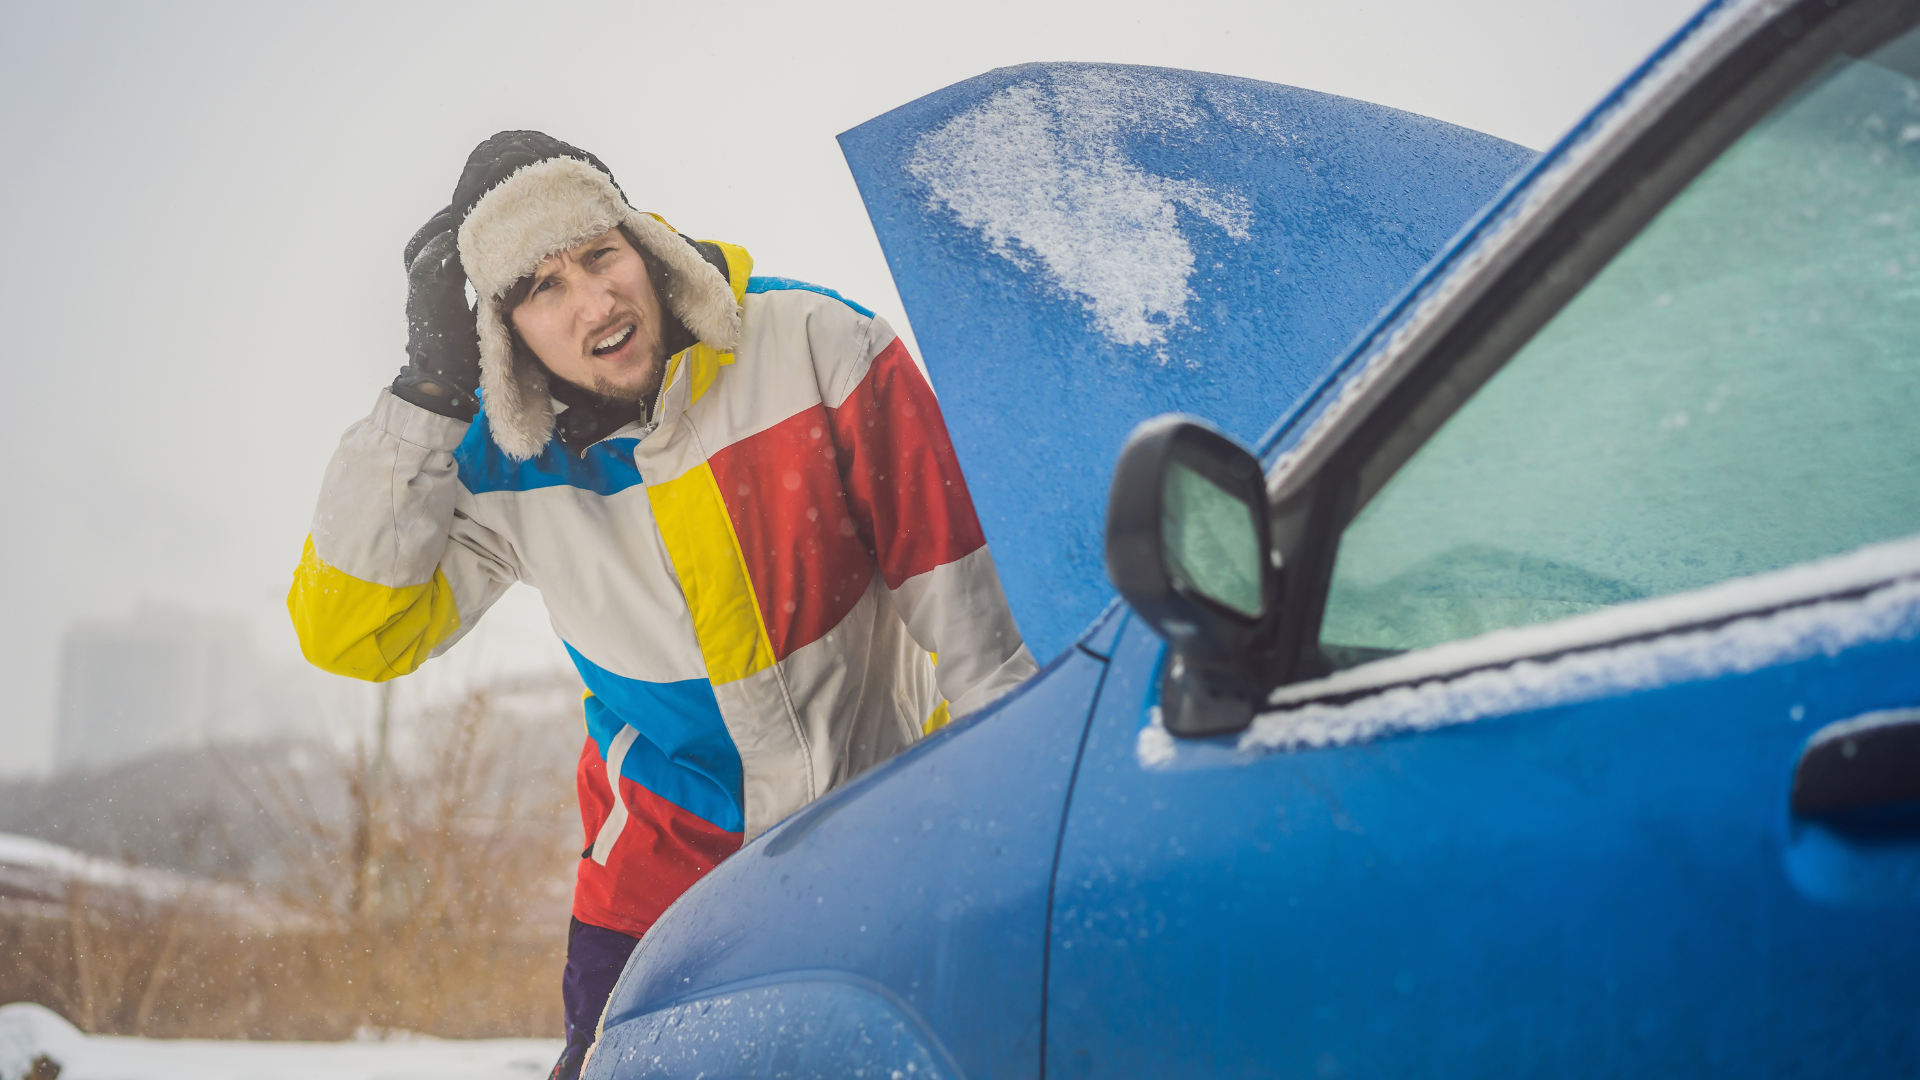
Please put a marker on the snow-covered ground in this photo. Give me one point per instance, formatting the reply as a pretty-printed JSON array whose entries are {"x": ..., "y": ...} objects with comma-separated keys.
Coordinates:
[
  {"x": 26, "y": 853},
  {"x": 28, "y": 1031},
  {"x": 37, "y": 875}
]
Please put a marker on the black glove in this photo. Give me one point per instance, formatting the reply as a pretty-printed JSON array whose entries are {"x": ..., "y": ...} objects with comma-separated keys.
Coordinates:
[{"x": 442, "y": 371}]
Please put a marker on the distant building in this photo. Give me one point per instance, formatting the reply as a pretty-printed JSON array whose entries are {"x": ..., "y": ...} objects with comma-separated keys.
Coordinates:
[{"x": 168, "y": 678}]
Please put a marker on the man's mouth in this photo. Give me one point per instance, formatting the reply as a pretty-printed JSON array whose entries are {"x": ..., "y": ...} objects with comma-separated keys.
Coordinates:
[{"x": 614, "y": 340}]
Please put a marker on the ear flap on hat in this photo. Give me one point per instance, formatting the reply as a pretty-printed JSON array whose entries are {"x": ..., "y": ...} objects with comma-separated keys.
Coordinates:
[
  {"x": 697, "y": 293},
  {"x": 550, "y": 206},
  {"x": 513, "y": 392}
]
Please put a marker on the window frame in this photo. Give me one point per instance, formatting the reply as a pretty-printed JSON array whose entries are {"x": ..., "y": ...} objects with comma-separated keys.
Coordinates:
[{"x": 1511, "y": 272}]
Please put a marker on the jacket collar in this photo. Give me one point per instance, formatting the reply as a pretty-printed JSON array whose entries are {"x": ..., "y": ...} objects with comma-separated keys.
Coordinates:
[{"x": 584, "y": 418}]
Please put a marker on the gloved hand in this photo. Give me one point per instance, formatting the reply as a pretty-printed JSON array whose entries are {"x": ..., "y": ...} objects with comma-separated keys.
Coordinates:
[{"x": 442, "y": 371}]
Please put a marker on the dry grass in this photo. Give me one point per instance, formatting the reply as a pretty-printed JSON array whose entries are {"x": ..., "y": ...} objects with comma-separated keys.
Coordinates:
[{"x": 423, "y": 889}]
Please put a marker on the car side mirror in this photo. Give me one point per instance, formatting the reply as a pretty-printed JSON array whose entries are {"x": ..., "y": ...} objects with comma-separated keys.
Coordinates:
[{"x": 1190, "y": 547}]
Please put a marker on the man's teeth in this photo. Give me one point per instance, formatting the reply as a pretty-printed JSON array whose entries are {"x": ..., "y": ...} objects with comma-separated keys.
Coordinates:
[{"x": 615, "y": 338}]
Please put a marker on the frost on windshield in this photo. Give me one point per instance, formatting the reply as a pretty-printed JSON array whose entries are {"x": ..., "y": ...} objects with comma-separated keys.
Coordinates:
[
  {"x": 1041, "y": 171},
  {"x": 1731, "y": 395}
]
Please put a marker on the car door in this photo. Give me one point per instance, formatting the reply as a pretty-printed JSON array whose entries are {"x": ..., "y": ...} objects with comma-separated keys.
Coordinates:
[{"x": 1595, "y": 747}]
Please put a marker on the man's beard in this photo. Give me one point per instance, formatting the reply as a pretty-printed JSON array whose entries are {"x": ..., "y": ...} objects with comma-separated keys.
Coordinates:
[{"x": 641, "y": 394}]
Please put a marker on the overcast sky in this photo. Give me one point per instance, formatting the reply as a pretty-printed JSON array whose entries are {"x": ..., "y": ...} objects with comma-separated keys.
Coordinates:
[{"x": 206, "y": 204}]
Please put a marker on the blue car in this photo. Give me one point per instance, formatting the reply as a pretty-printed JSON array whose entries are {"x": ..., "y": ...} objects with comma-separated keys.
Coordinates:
[{"x": 1539, "y": 694}]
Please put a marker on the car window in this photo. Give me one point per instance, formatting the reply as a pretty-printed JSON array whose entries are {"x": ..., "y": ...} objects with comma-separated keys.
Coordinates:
[{"x": 1738, "y": 391}]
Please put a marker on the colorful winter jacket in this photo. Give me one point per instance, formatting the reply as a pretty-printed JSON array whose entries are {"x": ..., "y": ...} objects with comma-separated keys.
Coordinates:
[{"x": 750, "y": 591}]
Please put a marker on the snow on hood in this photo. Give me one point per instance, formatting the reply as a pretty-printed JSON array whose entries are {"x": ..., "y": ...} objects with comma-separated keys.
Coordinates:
[{"x": 1041, "y": 172}]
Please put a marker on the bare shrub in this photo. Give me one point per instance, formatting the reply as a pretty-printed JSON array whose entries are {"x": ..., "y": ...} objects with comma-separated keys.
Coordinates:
[{"x": 423, "y": 885}]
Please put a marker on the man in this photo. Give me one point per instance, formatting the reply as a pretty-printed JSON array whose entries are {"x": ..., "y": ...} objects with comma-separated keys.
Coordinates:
[{"x": 736, "y": 495}]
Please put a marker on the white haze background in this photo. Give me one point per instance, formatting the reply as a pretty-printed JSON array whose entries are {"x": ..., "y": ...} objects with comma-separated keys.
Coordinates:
[{"x": 204, "y": 205}]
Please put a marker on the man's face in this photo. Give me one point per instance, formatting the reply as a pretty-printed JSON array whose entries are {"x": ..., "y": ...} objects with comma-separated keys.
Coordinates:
[{"x": 594, "y": 319}]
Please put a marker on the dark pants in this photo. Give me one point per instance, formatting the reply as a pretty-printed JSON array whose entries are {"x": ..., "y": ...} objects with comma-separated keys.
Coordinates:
[{"x": 595, "y": 958}]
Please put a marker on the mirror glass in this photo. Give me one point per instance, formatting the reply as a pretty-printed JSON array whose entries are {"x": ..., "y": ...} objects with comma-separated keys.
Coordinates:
[{"x": 1212, "y": 544}]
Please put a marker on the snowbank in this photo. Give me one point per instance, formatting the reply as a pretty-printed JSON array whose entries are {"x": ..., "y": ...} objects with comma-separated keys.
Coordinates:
[
  {"x": 36, "y": 871},
  {"x": 27, "y": 1031},
  {"x": 28, "y": 853}
]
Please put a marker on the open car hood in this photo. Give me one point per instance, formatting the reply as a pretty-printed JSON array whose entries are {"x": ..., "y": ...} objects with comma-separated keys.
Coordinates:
[{"x": 1082, "y": 246}]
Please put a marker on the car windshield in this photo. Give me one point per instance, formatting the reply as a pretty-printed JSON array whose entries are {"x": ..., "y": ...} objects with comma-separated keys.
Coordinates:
[{"x": 1735, "y": 393}]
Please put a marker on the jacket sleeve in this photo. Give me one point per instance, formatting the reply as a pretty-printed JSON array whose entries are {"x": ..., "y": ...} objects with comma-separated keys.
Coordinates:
[
  {"x": 911, "y": 506},
  {"x": 394, "y": 571}
]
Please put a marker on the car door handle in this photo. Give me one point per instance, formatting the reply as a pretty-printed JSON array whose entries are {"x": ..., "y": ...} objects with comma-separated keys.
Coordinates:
[
  {"x": 1853, "y": 837},
  {"x": 1862, "y": 773}
]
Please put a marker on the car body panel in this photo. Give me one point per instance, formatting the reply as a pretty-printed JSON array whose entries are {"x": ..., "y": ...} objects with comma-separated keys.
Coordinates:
[
  {"x": 1224, "y": 240},
  {"x": 1601, "y": 887},
  {"x": 925, "y": 880},
  {"x": 800, "y": 1025}
]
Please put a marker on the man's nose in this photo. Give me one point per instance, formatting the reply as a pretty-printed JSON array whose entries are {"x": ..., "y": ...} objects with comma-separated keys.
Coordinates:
[{"x": 596, "y": 300}]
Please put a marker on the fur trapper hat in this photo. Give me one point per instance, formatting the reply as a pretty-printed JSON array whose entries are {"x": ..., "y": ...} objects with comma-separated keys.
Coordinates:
[{"x": 558, "y": 200}]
